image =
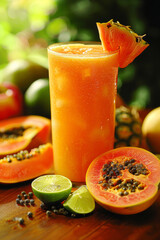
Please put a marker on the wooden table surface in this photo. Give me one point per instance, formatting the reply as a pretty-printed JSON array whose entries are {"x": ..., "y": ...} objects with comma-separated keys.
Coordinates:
[{"x": 101, "y": 224}]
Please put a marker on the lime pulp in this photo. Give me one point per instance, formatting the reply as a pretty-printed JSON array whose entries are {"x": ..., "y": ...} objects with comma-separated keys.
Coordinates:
[
  {"x": 80, "y": 201},
  {"x": 51, "y": 188}
]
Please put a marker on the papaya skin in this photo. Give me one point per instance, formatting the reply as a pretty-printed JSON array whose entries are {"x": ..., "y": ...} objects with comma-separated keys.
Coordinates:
[
  {"x": 28, "y": 168},
  {"x": 37, "y": 132},
  {"x": 134, "y": 202}
]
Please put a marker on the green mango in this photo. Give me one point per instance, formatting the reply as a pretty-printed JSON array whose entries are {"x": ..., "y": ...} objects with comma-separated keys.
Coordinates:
[
  {"x": 37, "y": 98},
  {"x": 23, "y": 72}
]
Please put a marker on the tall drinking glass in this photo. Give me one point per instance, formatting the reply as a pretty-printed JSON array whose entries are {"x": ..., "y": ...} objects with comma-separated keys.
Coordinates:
[{"x": 83, "y": 84}]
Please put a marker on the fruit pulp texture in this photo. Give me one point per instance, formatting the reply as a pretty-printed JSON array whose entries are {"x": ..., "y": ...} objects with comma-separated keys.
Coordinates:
[{"x": 83, "y": 83}]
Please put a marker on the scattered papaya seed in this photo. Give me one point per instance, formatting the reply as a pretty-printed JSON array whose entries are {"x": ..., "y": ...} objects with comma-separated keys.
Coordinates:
[
  {"x": 30, "y": 194},
  {"x": 55, "y": 211},
  {"x": 23, "y": 193},
  {"x": 32, "y": 202},
  {"x": 21, "y": 202},
  {"x": 43, "y": 206},
  {"x": 19, "y": 196},
  {"x": 30, "y": 215},
  {"x": 18, "y": 201},
  {"x": 25, "y": 196},
  {"x": 21, "y": 221},
  {"x": 27, "y": 201},
  {"x": 48, "y": 213}
]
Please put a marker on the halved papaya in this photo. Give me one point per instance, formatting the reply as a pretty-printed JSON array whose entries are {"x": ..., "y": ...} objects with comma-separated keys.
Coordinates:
[
  {"x": 114, "y": 36},
  {"x": 124, "y": 180},
  {"x": 25, "y": 132},
  {"x": 26, "y": 165}
]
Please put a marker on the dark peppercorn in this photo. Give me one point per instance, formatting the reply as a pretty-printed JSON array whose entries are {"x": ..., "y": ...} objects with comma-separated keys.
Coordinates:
[
  {"x": 43, "y": 206},
  {"x": 19, "y": 196},
  {"x": 30, "y": 214},
  {"x": 73, "y": 215},
  {"x": 65, "y": 213},
  {"x": 53, "y": 207},
  {"x": 23, "y": 192},
  {"x": 30, "y": 194},
  {"x": 27, "y": 201},
  {"x": 18, "y": 201},
  {"x": 21, "y": 221},
  {"x": 21, "y": 202},
  {"x": 32, "y": 201},
  {"x": 61, "y": 211},
  {"x": 25, "y": 196},
  {"x": 55, "y": 211},
  {"x": 48, "y": 213}
]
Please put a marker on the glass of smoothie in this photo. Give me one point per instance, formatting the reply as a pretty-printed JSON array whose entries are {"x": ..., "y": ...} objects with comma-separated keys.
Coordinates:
[{"x": 83, "y": 85}]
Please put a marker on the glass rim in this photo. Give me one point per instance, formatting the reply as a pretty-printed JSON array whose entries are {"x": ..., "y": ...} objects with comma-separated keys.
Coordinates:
[{"x": 51, "y": 47}]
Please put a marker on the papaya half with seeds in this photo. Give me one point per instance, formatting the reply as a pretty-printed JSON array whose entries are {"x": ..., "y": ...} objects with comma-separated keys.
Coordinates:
[
  {"x": 125, "y": 180},
  {"x": 25, "y": 132},
  {"x": 26, "y": 165}
]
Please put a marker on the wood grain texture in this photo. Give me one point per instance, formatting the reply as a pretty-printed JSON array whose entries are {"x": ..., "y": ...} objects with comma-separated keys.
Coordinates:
[{"x": 99, "y": 225}]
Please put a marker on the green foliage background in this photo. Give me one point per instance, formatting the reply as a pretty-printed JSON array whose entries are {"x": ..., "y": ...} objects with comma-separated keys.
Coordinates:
[{"x": 29, "y": 26}]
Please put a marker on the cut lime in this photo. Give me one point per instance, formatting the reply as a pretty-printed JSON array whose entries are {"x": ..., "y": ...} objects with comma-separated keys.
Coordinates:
[
  {"x": 51, "y": 188},
  {"x": 80, "y": 201}
]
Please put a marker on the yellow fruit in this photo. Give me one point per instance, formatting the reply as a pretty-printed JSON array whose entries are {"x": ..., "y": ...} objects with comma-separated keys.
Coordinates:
[{"x": 151, "y": 130}]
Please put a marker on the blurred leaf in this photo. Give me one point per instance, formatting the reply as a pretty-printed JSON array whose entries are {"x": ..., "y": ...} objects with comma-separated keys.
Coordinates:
[
  {"x": 39, "y": 57},
  {"x": 56, "y": 26},
  {"x": 141, "y": 97}
]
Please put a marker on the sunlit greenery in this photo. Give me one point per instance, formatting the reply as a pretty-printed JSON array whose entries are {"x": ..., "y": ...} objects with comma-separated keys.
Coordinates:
[{"x": 29, "y": 26}]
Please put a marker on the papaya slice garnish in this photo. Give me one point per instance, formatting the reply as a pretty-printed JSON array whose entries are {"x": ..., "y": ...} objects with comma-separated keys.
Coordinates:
[{"x": 114, "y": 36}]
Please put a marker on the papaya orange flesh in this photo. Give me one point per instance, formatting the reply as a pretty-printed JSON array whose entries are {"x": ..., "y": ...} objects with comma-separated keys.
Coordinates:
[
  {"x": 24, "y": 132},
  {"x": 26, "y": 165},
  {"x": 133, "y": 189},
  {"x": 114, "y": 36}
]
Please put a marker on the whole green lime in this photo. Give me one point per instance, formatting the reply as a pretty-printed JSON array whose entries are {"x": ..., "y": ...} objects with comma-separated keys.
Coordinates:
[
  {"x": 37, "y": 98},
  {"x": 22, "y": 73}
]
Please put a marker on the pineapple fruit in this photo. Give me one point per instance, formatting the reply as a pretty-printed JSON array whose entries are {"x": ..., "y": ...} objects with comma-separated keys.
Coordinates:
[{"x": 128, "y": 129}]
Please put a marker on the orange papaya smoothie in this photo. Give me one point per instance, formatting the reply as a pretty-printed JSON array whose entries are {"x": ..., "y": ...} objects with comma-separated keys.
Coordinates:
[{"x": 83, "y": 84}]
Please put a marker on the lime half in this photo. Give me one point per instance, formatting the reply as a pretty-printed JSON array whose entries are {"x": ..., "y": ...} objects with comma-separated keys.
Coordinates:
[
  {"x": 80, "y": 201},
  {"x": 51, "y": 188}
]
